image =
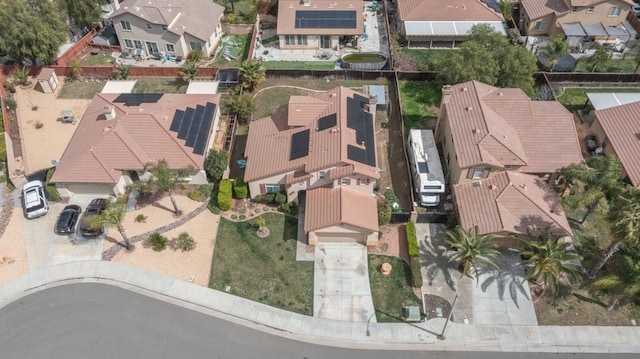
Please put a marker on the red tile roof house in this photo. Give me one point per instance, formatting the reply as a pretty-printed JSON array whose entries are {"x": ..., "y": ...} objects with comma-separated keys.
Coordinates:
[
  {"x": 175, "y": 27},
  {"x": 546, "y": 17},
  {"x": 322, "y": 145},
  {"x": 501, "y": 148},
  {"x": 318, "y": 24},
  {"x": 120, "y": 133},
  {"x": 434, "y": 23}
]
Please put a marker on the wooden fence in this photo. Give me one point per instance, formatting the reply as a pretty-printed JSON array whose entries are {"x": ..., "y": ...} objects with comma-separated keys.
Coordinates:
[
  {"x": 78, "y": 47},
  {"x": 105, "y": 72}
]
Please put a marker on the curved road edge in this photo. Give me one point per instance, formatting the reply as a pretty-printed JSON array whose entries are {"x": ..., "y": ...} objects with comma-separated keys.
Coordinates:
[{"x": 414, "y": 336}]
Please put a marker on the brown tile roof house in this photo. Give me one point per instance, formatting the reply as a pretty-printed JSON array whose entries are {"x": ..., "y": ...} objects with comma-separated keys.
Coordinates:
[
  {"x": 320, "y": 17},
  {"x": 536, "y": 9},
  {"x": 504, "y": 127},
  {"x": 338, "y": 206},
  {"x": 621, "y": 126},
  {"x": 123, "y": 132},
  {"x": 510, "y": 202},
  {"x": 451, "y": 10}
]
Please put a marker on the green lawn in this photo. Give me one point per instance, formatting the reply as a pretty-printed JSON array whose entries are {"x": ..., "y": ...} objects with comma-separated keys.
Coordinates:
[
  {"x": 617, "y": 66},
  {"x": 263, "y": 269},
  {"x": 103, "y": 58},
  {"x": 80, "y": 89},
  {"x": 300, "y": 65},
  {"x": 160, "y": 85},
  {"x": 391, "y": 293},
  {"x": 430, "y": 60},
  {"x": 238, "y": 47},
  {"x": 242, "y": 11},
  {"x": 575, "y": 98},
  {"x": 419, "y": 100}
]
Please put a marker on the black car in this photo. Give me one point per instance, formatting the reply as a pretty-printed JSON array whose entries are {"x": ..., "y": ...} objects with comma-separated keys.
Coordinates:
[
  {"x": 67, "y": 220},
  {"x": 93, "y": 209}
]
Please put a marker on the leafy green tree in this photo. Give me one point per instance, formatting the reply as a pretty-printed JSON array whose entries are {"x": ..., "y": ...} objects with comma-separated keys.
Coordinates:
[
  {"x": 625, "y": 218},
  {"x": 22, "y": 74},
  {"x": 252, "y": 73},
  {"x": 472, "y": 250},
  {"x": 600, "y": 176},
  {"x": 598, "y": 57},
  {"x": 625, "y": 284},
  {"x": 188, "y": 70},
  {"x": 112, "y": 217},
  {"x": 547, "y": 262},
  {"x": 122, "y": 72},
  {"x": 164, "y": 179},
  {"x": 472, "y": 62},
  {"x": 261, "y": 223},
  {"x": 241, "y": 105},
  {"x": 216, "y": 163},
  {"x": 517, "y": 66},
  {"x": 32, "y": 29},
  {"x": 634, "y": 53},
  {"x": 506, "y": 8},
  {"x": 82, "y": 12},
  {"x": 555, "y": 49}
]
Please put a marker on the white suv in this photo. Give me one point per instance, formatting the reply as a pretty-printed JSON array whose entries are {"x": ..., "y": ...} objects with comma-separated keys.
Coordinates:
[{"x": 33, "y": 199}]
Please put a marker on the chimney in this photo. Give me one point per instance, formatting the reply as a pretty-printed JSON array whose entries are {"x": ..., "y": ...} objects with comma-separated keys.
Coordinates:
[
  {"x": 446, "y": 94},
  {"x": 115, "y": 4},
  {"x": 109, "y": 112}
]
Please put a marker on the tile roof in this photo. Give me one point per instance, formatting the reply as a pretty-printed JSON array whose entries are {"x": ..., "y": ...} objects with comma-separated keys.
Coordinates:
[
  {"x": 198, "y": 18},
  {"x": 269, "y": 141},
  {"x": 510, "y": 202},
  {"x": 101, "y": 149},
  {"x": 326, "y": 207},
  {"x": 504, "y": 127},
  {"x": 287, "y": 16},
  {"x": 540, "y": 8},
  {"x": 451, "y": 10},
  {"x": 621, "y": 125}
]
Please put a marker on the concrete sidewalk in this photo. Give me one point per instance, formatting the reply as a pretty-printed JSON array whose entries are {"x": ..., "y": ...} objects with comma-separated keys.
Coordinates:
[{"x": 420, "y": 336}]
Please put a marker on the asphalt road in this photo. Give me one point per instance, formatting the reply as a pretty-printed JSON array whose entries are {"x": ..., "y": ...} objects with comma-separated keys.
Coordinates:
[{"x": 101, "y": 321}]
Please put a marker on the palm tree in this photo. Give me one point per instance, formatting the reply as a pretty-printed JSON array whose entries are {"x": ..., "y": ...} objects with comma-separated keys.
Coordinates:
[
  {"x": 624, "y": 285},
  {"x": 163, "y": 179},
  {"x": 122, "y": 72},
  {"x": 625, "y": 218},
  {"x": 188, "y": 70},
  {"x": 473, "y": 250},
  {"x": 252, "y": 73},
  {"x": 556, "y": 48},
  {"x": 601, "y": 177},
  {"x": 112, "y": 217},
  {"x": 547, "y": 262},
  {"x": 599, "y": 56}
]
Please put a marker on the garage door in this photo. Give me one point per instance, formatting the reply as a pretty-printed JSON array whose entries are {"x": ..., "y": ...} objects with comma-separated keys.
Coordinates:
[
  {"x": 341, "y": 237},
  {"x": 98, "y": 190}
]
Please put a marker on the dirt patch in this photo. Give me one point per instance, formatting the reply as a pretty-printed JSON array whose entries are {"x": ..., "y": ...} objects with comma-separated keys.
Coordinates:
[
  {"x": 393, "y": 242},
  {"x": 436, "y": 306}
]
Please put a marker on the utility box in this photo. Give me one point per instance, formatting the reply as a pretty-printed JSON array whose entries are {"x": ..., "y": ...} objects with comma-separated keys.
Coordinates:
[{"x": 411, "y": 313}]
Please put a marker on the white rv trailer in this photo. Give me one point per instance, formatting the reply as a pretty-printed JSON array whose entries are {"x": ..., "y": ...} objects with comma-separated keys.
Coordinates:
[{"x": 426, "y": 169}]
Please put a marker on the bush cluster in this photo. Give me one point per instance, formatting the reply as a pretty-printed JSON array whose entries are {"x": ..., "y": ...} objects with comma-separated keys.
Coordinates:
[
  {"x": 158, "y": 242},
  {"x": 224, "y": 195},
  {"x": 240, "y": 188},
  {"x": 416, "y": 275},
  {"x": 412, "y": 239},
  {"x": 202, "y": 194},
  {"x": 291, "y": 208}
]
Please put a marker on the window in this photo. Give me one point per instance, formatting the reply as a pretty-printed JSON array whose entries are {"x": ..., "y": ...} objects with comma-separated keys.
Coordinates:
[
  {"x": 478, "y": 172},
  {"x": 590, "y": 10},
  {"x": 125, "y": 25},
  {"x": 363, "y": 181},
  {"x": 302, "y": 39},
  {"x": 321, "y": 175},
  {"x": 540, "y": 25},
  {"x": 164, "y": 27},
  {"x": 149, "y": 26},
  {"x": 138, "y": 44},
  {"x": 289, "y": 40},
  {"x": 345, "y": 181},
  {"x": 170, "y": 47},
  {"x": 272, "y": 188},
  {"x": 152, "y": 47},
  {"x": 615, "y": 11},
  {"x": 128, "y": 44},
  {"x": 195, "y": 45},
  {"x": 574, "y": 10}
]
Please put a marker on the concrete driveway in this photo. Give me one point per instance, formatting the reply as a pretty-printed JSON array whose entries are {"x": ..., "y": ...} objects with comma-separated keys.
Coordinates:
[
  {"x": 45, "y": 248},
  {"x": 341, "y": 288}
]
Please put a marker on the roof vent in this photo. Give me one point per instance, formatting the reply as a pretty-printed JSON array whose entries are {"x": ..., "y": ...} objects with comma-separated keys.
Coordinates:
[
  {"x": 500, "y": 93},
  {"x": 469, "y": 108},
  {"x": 476, "y": 131},
  {"x": 492, "y": 187},
  {"x": 464, "y": 89},
  {"x": 109, "y": 112},
  {"x": 477, "y": 183}
]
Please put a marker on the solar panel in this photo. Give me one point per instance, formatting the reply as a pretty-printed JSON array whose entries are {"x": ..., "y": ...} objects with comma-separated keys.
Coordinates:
[
  {"x": 362, "y": 123},
  {"x": 326, "y": 19},
  {"x": 205, "y": 128},
  {"x": 186, "y": 123},
  {"x": 195, "y": 126},
  {"x": 299, "y": 144},
  {"x": 327, "y": 122},
  {"x": 177, "y": 120},
  {"x": 136, "y": 99}
]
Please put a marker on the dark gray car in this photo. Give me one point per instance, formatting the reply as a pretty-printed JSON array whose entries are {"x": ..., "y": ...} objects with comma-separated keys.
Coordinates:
[
  {"x": 66, "y": 222},
  {"x": 94, "y": 208}
]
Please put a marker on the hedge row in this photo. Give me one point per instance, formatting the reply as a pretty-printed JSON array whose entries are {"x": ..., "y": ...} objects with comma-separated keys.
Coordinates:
[
  {"x": 240, "y": 188},
  {"x": 224, "y": 195},
  {"x": 416, "y": 275},
  {"x": 412, "y": 239}
]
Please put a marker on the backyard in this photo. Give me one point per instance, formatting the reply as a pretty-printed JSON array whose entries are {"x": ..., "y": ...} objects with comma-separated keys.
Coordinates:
[
  {"x": 231, "y": 51},
  {"x": 420, "y": 103},
  {"x": 88, "y": 89},
  {"x": 429, "y": 60},
  {"x": 574, "y": 98},
  {"x": 391, "y": 293}
]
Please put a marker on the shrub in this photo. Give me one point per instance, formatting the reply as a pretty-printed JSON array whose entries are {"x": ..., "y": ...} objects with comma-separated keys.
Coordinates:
[
  {"x": 243, "y": 217},
  {"x": 269, "y": 197},
  {"x": 52, "y": 191},
  {"x": 394, "y": 202},
  {"x": 194, "y": 195},
  {"x": 290, "y": 208},
  {"x": 281, "y": 198},
  {"x": 215, "y": 164},
  {"x": 241, "y": 191},
  {"x": 201, "y": 194},
  {"x": 416, "y": 275},
  {"x": 213, "y": 202},
  {"x": 195, "y": 55},
  {"x": 158, "y": 242},
  {"x": 186, "y": 242},
  {"x": 384, "y": 211},
  {"x": 224, "y": 195},
  {"x": 412, "y": 239},
  {"x": 141, "y": 218},
  {"x": 258, "y": 199}
]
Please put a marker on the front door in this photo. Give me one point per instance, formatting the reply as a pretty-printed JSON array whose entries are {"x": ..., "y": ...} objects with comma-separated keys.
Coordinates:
[{"x": 325, "y": 42}]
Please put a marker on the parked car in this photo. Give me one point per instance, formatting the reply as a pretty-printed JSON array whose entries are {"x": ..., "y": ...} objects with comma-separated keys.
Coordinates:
[
  {"x": 66, "y": 222},
  {"x": 33, "y": 199},
  {"x": 93, "y": 209},
  {"x": 636, "y": 10}
]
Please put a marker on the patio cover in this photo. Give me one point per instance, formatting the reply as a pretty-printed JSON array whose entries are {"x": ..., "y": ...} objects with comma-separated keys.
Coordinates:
[
  {"x": 603, "y": 100},
  {"x": 447, "y": 28},
  {"x": 573, "y": 30},
  {"x": 203, "y": 87},
  {"x": 593, "y": 30},
  {"x": 119, "y": 86}
]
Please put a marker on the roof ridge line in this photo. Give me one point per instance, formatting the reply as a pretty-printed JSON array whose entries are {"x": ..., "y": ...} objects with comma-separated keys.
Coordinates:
[
  {"x": 175, "y": 139},
  {"x": 535, "y": 204},
  {"x": 101, "y": 162}
]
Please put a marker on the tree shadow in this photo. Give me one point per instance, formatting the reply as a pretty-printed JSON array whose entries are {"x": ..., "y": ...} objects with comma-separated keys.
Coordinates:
[
  {"x": 589, "y": 300},
  {"x": 508, "y": 278},
  {"x": 434, "y": 256}
]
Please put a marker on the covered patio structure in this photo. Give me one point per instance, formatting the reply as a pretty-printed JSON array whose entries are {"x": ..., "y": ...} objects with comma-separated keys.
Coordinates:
[
  {"x": 429, "y": 34},
  {"x": 582, "y": 37}
]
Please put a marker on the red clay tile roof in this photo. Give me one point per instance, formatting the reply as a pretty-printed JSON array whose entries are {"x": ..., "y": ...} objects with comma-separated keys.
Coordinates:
[
  {"x": 540, "y": 8},
  {"x": 269, "y": 140},
  {"x": 297, "y": 176},
  {"x": 450, "y": 10},
  {"x": 340, "y": 172},
  {"x": 287, "y": 16},
  {"x": 195, "y": 17},
  {"x": 326, "y": 207},
  {"x": 504, "y": 127},
  {"x": 101, "y": 149},
  {"x": 510, "y": 202},
  {"x": 621, "y": 125}
]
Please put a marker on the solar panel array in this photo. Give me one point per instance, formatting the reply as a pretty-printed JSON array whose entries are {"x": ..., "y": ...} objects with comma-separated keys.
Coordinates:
[
  {"x": 326, "y": 19},
  {"x": 299, "y": 144},
  {"x": 362, "y": 123},
  {"x": 136, "y": 99},
  {"x": 327, "y": 121},
  {"x": 194, "y": 125}
]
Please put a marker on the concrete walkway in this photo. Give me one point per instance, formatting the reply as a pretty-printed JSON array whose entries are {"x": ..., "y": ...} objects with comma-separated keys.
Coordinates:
[{"x": 420, "y": 336}]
